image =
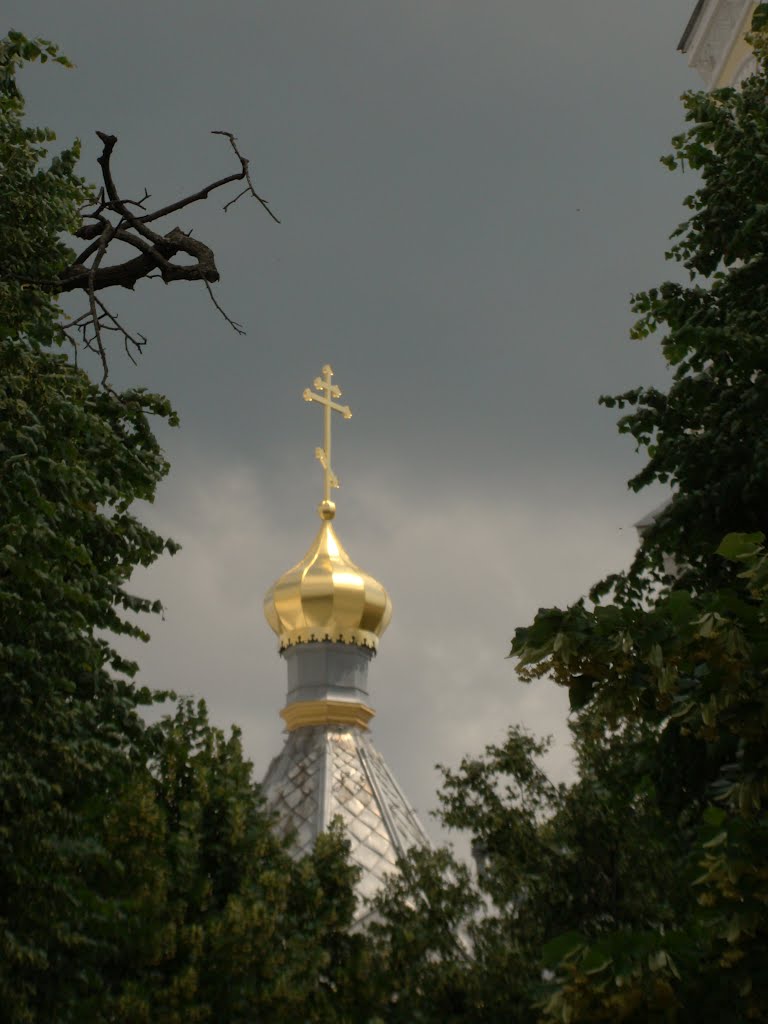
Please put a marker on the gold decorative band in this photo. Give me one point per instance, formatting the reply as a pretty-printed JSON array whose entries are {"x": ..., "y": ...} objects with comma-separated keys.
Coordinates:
[
  {"x": 316, "y": 634},
  {"x": 326, "y": 712}
]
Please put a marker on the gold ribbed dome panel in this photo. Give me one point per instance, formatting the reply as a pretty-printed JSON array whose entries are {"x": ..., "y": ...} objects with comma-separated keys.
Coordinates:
[{"x": 327, "y": 597}]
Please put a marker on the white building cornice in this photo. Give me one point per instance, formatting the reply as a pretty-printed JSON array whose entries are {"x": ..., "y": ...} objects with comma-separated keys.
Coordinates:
[{"x": 714, "y": 34}]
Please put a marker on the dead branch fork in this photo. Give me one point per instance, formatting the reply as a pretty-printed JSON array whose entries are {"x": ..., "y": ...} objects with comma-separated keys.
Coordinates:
[{"x": 156, "y": 251}]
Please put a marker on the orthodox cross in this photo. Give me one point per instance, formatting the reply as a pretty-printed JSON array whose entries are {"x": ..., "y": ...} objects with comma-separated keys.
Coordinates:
[{"x": 328, "y": 392}]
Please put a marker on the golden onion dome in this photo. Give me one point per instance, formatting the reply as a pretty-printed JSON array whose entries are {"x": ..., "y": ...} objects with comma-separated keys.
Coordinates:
[{"x": 327, "y": 597}]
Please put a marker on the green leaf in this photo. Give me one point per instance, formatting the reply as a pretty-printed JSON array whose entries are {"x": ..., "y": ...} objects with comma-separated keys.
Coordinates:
[
  {"x": 595, "y": 960},
  {"x": 580, "y": 691},
  {"x": 737, "y": 547},
  {"x": 760, "y": 18},
  {"x": 560, "y": 948}
]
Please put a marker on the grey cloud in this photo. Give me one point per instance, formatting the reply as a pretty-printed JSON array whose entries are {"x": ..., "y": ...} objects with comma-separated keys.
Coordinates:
[
  {"x": 462, "y": 573},
  {"x": 469, "y": 193}
]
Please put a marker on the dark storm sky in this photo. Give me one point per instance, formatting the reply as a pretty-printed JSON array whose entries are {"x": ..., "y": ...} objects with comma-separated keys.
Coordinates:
[{"x": 469, "y": 194}]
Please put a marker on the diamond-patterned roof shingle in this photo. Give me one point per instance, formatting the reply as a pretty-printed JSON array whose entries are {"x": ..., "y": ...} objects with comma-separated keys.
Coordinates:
[{"x": 327, "y": 771}]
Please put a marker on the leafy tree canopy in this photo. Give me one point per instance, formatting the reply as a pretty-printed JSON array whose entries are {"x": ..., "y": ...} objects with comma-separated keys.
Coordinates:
[{"x": 74, "y": 458}]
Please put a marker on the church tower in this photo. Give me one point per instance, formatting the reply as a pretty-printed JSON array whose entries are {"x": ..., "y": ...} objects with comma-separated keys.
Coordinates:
[{"x": 329, "y": 615}]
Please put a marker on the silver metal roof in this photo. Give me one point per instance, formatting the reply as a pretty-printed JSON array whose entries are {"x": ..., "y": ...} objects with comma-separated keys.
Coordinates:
[{"x": 327, "y": 771}]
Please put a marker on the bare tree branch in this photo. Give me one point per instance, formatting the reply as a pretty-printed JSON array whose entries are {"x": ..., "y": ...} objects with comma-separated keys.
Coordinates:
[
  {"x": 106, "y": 238},
  {"x": 86, "y": 332},
  {"x": 113, "y": 219},
  {"x": 137, "y": 341},
  {"x": 245, "y": 164},
  {"x": 238, "y": 328},
  {"x": 158, "y": 250},
  {"x": 232, "y": 202}
]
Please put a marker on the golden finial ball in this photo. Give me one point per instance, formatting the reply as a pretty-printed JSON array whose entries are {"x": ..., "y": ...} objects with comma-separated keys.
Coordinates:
[{"x": 326, "y": 510}]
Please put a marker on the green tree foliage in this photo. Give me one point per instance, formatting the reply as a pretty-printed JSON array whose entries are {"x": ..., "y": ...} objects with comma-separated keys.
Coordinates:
[
  {"x": 217, "y": 922},
  {"x": 692, "y": 668},
  {"x": 139, "y": 877},
  {"x": 74, "y": 458},
  {"x": 683, "y": 657},
  {"x": 705, "y": 434},
  {"x": 422, "y": 971},
  {"x": 559, "y": 867},
  {"x": 640, "y": 892}
]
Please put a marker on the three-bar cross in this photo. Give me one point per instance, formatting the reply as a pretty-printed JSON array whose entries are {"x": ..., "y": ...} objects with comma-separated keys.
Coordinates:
[{"x": 328, "y": 392}]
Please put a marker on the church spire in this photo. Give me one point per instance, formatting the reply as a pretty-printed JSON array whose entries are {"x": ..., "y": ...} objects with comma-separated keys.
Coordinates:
[{"x": 329, "y": 615}]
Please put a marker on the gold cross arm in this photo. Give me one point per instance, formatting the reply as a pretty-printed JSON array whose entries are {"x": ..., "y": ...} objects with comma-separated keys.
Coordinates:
[
  {"x": 320, "y": 456},
  {"x": 310, "y": 396},
  {"x": 327, "y": 392}
]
